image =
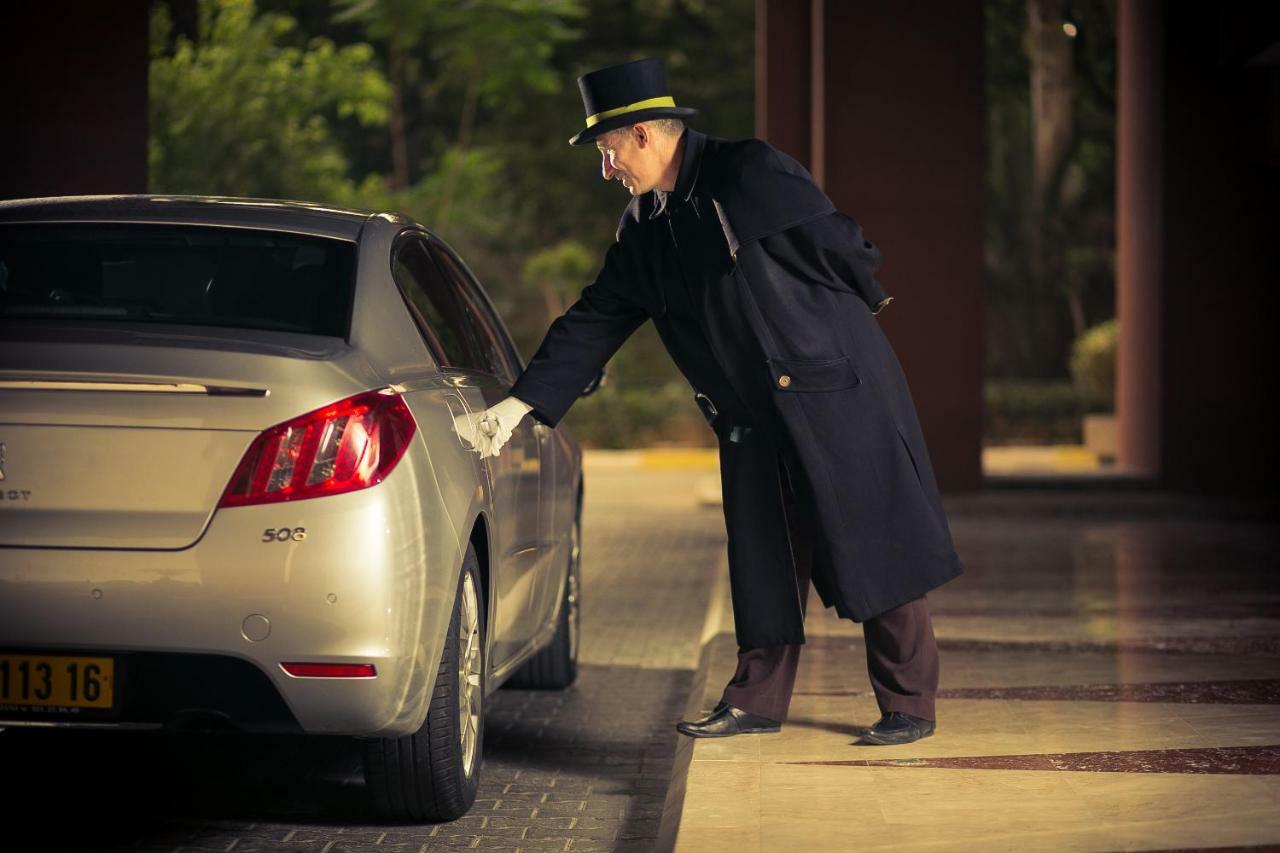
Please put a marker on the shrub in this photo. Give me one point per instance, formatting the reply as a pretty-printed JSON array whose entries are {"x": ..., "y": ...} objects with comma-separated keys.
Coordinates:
[
  {"x": 1093, "y": 366},
  {"x": 639, "y": 416},
  {"x": 1031, "y": 411}
]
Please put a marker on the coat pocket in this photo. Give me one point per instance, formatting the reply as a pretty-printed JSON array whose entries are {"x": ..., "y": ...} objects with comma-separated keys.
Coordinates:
[{"x": 807, "y": 374}]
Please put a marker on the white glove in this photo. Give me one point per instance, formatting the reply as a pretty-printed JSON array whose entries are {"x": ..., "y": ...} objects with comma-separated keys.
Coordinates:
[
  {"x": 465, "y": 426},
  {"x": 496, "y": 424}
]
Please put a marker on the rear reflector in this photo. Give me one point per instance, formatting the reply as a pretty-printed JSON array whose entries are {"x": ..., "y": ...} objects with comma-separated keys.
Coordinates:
[
  {"x": 330, "y": 670},
  {"x": 348, "y": 445}
]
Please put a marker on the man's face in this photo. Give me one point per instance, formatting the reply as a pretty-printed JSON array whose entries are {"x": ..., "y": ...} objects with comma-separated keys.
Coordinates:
[{"x": 629, "y": 155}]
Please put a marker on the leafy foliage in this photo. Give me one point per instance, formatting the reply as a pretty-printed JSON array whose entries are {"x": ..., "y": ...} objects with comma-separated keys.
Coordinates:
[
  {"x": 1049, "y": 266},
  {"x": 1033, "y": 411},
  {"x": 238, "y": 113},
  {"x": 1093, "y": 364}
]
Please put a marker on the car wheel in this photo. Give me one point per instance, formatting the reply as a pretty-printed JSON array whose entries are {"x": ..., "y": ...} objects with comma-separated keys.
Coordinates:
[
  {"x": 433, "y": 773},
  {"x": 556, "y": 666}
]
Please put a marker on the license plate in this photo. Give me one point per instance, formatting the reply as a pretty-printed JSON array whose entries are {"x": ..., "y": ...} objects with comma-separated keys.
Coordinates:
[{"x": 56, "y": 681}]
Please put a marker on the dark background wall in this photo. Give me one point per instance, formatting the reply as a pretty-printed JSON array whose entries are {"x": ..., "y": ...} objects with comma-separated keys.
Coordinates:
[
  {"x": 884, "y": 103},
  {"x": 1221, "y": 370},
  {"x": 905, "y": 151},
  {"x": 783, "y": 91},
  {"x": 75, "y": 81}
]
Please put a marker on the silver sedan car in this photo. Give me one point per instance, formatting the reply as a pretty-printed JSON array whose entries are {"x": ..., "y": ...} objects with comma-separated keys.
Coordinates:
[{"x": 235, "y": 492}]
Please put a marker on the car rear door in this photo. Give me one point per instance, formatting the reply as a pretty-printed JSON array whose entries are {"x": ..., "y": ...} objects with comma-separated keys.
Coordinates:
[
  {"x": 546, "y": 589},
  {"x": 480, "y": 375}
]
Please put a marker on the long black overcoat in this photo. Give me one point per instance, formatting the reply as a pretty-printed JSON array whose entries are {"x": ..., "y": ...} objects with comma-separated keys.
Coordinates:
[{"x": 783, "y": 286}]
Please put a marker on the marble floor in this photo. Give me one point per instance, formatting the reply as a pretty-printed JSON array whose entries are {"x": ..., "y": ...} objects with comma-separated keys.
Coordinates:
[{"x": 1110, "y": 680}]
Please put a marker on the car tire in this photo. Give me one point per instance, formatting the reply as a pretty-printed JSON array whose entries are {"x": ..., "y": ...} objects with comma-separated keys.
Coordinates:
[
  {"x": 433, "y": 774},
  {"x": 556, "y": 666}
]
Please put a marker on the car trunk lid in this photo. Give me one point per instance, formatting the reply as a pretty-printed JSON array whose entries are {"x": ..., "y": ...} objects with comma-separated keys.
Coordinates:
[{"x": 104, "y": 448}]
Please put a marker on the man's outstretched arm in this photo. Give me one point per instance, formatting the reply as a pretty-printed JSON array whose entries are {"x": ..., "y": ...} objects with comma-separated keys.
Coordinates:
[
  {"x": 576, "y": 347},
  {"x": 580, "y": 342}
]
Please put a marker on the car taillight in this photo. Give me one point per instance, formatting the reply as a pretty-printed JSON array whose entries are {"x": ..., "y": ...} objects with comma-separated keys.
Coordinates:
[
  {"x": 330, "y": 670},
  {"x": 348, "y": 445}
]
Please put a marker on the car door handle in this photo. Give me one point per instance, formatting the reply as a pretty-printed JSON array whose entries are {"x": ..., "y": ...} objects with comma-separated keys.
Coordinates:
[{"x": 459, "y": 410}]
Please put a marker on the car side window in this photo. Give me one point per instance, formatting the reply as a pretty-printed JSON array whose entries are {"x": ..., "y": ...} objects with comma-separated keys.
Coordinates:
[
  {"x": 493, "y": 342},
  {"x": 440, "y": 313}
]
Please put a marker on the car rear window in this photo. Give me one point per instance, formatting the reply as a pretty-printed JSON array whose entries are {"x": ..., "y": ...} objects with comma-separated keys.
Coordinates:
[{"x": 199, "y": 275}]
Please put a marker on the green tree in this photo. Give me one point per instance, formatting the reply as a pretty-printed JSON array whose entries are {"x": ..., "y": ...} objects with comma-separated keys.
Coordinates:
[
  {"x": 495, "y": 51},
  {"x": 557, "y": 275},
  {"x": 1051, "y": 132},
  {"x": 235, "y": 112}
]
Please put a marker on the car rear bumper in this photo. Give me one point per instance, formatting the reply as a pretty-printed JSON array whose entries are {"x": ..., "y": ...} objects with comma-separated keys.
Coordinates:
[
  {"x": 177, "y": 691},
  {"x": 200, "y": 633}
]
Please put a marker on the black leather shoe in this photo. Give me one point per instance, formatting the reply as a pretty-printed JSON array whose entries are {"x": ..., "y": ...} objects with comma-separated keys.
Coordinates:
[
  {"x": 728, "y": 720},
  {"x": 897, "y": 727}
]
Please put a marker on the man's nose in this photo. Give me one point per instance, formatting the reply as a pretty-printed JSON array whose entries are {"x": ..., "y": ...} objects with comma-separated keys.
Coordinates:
[{"x": 606, "y": 169}]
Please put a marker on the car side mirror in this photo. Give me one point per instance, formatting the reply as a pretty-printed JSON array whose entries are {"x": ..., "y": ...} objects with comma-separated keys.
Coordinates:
[{"x": 594, "y": 385}]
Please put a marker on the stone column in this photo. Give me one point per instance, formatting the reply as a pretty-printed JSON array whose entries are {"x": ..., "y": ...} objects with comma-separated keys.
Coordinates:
[
  {"x": 1139, "y": 235},
  {"x": 905, "y": 154}
]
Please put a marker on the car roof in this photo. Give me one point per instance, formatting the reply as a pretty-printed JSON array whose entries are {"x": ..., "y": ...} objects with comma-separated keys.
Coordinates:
[{"x": 228, "y": 211}]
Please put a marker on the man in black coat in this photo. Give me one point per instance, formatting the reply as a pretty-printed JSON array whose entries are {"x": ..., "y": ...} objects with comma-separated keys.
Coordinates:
[{"x": 765, "y": 297}]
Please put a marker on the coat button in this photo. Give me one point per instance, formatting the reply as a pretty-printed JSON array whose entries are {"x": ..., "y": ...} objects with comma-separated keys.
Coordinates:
[{"x": 784, "y": 380}]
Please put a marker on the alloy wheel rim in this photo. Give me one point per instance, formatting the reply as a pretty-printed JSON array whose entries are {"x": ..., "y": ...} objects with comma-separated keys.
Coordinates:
[
  {"x": 575, "y": 560},
  {"x": 469, "y": 662}
]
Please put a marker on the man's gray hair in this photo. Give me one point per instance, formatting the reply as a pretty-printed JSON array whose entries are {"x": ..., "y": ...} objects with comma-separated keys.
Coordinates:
[{"x": 669, "y": 126}]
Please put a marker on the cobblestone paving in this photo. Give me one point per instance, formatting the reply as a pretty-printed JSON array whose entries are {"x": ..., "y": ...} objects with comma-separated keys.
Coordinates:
[{"x": 580, "y": 770}]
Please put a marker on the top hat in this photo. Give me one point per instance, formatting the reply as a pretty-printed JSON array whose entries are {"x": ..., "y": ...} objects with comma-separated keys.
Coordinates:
[{"x": 625, "y": 94}]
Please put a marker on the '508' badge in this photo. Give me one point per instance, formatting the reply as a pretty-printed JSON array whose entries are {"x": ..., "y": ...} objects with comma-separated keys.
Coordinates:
[{"x": 284, "y": 534}]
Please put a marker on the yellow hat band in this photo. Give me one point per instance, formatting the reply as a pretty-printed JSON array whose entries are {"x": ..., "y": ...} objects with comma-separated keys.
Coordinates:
[{"x": 665, "y": 101}]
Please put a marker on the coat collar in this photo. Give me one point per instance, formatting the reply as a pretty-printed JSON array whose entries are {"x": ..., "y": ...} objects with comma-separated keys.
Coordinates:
[{"x": 686, "y": 178}]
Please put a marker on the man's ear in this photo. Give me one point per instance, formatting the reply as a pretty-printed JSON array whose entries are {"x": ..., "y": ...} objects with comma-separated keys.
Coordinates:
[{"x": 642, "y": 133}]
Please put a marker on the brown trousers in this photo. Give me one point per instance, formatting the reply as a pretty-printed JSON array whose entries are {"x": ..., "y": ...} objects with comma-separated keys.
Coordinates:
[{"x": 902, "y": 654}]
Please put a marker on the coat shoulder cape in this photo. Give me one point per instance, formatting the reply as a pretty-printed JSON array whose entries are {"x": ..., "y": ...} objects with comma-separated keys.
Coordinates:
[
  {"x": 760, "y": 190},
  {"x": 766, "y": 198}
]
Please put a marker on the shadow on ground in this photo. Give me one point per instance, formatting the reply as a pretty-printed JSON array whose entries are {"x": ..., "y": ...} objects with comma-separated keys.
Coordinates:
[{"x": 609, "y": 740}]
